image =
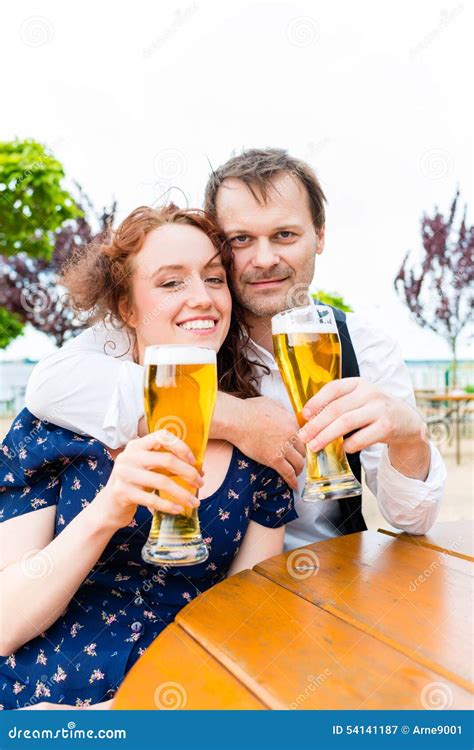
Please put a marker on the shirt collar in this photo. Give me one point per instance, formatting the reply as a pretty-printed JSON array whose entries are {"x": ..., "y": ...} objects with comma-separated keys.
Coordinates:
[{"x": 265, "y": 357}]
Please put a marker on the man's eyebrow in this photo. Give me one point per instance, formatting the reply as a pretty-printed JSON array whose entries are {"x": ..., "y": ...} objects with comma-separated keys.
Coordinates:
[{"x": 282, "y": 227}]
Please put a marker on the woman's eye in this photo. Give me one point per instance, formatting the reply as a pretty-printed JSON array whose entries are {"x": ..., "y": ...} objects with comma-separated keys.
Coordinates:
[
  {"x": 173, "y": 284},
  {"x": 215, "y": 280}
]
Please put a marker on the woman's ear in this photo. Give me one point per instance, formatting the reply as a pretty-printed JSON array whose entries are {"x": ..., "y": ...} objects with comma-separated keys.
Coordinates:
[
  {"x": 127, "y": 313},
  {"x": 320, "y": 237}
]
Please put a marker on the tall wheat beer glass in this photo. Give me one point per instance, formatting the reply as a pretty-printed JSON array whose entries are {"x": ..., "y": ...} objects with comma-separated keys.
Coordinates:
[
  {"x": 180, "y": 391},
  {"x": 308, "y": 353}
]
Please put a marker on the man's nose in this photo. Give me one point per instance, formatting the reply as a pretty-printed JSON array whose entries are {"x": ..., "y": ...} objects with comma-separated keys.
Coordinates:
[{"x": 264, "y": 256}]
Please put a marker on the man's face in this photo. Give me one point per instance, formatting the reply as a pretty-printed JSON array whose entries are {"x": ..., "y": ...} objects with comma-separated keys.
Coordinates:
[{"x": 274, "y": 243}]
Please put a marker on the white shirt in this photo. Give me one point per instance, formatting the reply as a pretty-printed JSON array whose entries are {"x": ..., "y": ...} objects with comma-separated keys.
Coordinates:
[{"x": 92, "y": 386}]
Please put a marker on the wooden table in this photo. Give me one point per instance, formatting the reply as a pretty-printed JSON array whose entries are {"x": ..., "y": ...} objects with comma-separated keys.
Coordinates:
[
  {"x": 457, "y": 399},
  {"x": 373, "y": 620}
]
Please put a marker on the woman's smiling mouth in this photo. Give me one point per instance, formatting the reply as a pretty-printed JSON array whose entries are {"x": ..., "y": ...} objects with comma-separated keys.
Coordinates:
[{"x": 199, "y": 325}]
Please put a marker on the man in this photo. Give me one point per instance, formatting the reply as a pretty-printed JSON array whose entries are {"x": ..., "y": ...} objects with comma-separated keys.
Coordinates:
[{"x": 271, "y": 208}]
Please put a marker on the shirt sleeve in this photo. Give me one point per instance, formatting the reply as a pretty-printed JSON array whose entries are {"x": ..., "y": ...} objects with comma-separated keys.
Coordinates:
[
  {"x": 273, "y": 502},
  {"x": 29, "y": 468},
  {"x": 406, "y": 503},
  {"x": 90, "y": 386}
]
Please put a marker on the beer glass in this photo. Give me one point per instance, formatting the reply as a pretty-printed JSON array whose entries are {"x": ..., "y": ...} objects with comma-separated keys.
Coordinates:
[
  {"x": 308, "y": 353},
  {"x": 180, "y": 389}
]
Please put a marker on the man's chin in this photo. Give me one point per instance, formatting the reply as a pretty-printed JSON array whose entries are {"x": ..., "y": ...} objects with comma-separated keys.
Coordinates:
[{"x": 265, "y": 307}]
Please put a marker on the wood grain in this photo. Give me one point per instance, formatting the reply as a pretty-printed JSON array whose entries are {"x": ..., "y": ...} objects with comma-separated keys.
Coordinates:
[
  {"x": 414, "y": 599},
  {"x": 176, "y": 673},
  {"x": 454, "y": 537},
  {"x": 292, "y": 654}
]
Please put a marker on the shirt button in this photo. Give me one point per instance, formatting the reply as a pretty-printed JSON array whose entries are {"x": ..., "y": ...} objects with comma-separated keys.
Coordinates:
[
  {"x": 137, "y": 627},
  {"x": 138, "y": 601}
]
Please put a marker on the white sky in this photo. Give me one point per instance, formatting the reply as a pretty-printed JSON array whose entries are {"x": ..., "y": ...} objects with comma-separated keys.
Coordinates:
[{"x": 376, "y": 96}]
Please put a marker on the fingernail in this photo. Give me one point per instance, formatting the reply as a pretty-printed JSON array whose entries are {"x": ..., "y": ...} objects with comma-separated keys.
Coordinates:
[
  {"x": 177, "y": 508},
  {"x": 315, "y": 445},
  {"x": 196, "y": 503},
  {"x": 306, "y": 413}
]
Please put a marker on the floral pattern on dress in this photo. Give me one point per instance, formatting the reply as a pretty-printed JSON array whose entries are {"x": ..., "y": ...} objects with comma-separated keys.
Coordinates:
[{"x": 124, "y": 603}]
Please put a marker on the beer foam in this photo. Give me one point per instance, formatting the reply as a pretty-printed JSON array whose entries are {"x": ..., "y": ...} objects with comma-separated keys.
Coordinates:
[
  {"x": 309, "y": 319},
  {"x": 179, "y": 355}
]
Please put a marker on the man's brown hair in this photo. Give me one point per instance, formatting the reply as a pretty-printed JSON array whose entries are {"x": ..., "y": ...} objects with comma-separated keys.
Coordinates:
[{"x": 257, "y": 169}]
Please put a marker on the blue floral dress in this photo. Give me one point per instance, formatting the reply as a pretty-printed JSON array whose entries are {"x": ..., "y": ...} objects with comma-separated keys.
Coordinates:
[{"x": 124, "y": 603}]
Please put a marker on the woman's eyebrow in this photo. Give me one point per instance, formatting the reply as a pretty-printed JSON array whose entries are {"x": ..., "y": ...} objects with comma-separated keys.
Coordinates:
[
  {"x": 171, "y": 267},
  {"x": 216, "y": 260}
]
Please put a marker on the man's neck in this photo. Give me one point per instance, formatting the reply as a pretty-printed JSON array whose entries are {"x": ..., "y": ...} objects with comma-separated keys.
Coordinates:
[{"x": 260, "y": 331}]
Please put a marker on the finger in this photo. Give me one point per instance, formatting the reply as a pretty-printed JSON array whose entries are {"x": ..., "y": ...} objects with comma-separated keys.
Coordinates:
[
  {"x": 165, "y": 439},
  {"x": 299, "y": 445},
  {"x": 168, "y": 462},
  {"x": 286, "y": 471},
  {"x": 295, "y": 459},
  {"x": 340, "y": 406},
  {"x": 328, "y": 393},
  {"x": 154, "y": 502},
  {"x": 353, "y": 420},
  {"x": 153, "y": 480},
  {"x": 362, "y": 439}
]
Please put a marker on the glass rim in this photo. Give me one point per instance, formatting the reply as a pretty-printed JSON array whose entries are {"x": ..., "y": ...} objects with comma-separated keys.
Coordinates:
[
  {"x": 293, "y": 320},
  {"x": 184, "y": 354}
]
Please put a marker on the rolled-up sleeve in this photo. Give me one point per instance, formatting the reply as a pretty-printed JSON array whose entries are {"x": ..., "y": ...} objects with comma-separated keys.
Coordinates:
[
  {"x": 90, "y": 386},
  {"x": 408, "y": 504}
]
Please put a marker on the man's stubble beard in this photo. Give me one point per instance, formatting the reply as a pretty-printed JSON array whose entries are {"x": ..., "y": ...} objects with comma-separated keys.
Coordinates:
[
  {"x": 292, "y": 296},
  {"x": 263, "y": 307}
]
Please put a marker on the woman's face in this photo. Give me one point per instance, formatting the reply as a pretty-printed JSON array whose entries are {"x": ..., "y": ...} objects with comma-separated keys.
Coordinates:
[{"x": 179, "y": 290}]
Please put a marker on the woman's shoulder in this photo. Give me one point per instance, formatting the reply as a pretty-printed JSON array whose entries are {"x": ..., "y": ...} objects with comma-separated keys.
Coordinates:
[
  {"x": 31, "y": 436},
  {"x": 257, "y": 474}
]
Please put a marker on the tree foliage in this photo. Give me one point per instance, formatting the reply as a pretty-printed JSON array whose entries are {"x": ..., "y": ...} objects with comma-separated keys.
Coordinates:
[
  {"x": 30, "y": 287},
  {"x": 33, "y": 202},
  {"x": 332, "y": 298},
  {"x": 437, "y": 284}
]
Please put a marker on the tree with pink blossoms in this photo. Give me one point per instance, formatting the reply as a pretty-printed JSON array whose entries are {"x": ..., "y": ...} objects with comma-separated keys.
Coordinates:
[{"x": 437, "y": 284}]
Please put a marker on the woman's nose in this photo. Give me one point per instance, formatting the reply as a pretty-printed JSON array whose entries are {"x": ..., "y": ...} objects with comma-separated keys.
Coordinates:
[{"x": 198, "y": 295}]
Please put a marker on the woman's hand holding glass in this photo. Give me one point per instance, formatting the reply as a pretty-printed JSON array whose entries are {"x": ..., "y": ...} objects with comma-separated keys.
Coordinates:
[{"x": 145, "y": 466}]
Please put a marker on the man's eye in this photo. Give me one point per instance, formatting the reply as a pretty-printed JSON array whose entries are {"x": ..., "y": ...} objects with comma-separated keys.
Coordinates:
[
  {"x": 285, "y": 234},
  {"x": 240, "y": 239}
]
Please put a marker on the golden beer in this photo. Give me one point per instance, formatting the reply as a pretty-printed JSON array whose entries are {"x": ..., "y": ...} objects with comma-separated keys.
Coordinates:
[
  {"x": 308, "y": 353},
  {"x": 180, "y": 390}
]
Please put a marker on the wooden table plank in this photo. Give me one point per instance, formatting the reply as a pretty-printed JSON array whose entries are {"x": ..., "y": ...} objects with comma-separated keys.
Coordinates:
[
  {"x": 453, "y": 537},
  {"x": 412, "y": 598},
  {"x": 292, "y": 654},
  {"x": 176, "y": 672}
]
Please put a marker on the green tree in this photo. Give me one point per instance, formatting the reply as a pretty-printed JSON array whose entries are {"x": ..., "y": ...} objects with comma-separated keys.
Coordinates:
[
  {"x": 332, "y": 298},
  {"x": 10, "y": 327},
  {"x": 33, "y": 202}
]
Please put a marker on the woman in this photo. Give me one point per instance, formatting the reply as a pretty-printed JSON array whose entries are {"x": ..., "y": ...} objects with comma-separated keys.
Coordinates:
[{"x": 79, "y": 606}]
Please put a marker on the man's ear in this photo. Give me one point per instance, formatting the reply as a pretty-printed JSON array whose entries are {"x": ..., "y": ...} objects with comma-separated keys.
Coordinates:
[{"x": 320, "y": 237}]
